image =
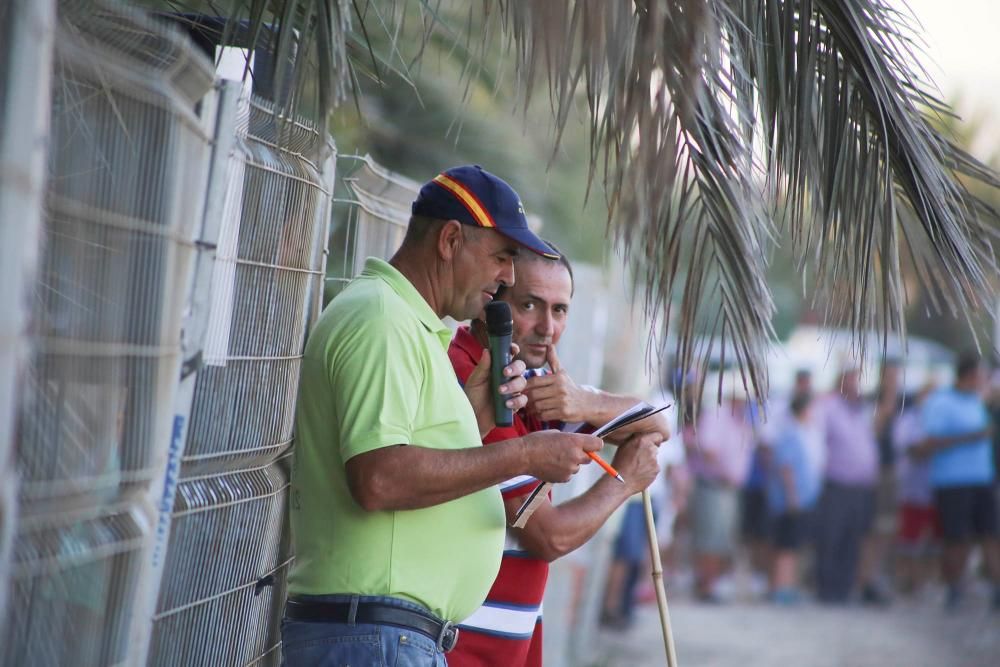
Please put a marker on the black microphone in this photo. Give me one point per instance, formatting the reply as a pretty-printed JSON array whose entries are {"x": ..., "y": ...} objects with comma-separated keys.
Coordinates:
[{"x": 500, "y": 326}]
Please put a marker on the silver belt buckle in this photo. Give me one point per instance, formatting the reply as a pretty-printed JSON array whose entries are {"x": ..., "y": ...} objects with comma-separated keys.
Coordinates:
[{"x": 448, "y": 637}]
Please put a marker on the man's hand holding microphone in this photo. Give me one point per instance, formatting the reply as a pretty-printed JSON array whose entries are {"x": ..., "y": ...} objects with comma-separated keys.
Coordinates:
[{"x": 551, "y": 456}]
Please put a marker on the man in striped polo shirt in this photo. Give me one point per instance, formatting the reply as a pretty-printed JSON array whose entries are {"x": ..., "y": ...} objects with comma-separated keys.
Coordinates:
[{"x": 507, "y": 629}]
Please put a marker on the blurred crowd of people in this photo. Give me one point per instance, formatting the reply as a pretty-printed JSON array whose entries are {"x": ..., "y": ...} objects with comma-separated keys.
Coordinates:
[{"x": 828, "y": 493}]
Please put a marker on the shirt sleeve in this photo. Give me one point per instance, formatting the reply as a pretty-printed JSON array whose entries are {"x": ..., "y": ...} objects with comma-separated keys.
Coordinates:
[
  {"x": 461, "y": 362},
  {"x": 516, "y": 487},
  {"x": 376, "y": 378}
]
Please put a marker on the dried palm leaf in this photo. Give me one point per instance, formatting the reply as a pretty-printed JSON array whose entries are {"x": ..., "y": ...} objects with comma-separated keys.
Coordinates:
[
  {"x": 707, "y": 113},
  {"x": 711, "y": 118}
]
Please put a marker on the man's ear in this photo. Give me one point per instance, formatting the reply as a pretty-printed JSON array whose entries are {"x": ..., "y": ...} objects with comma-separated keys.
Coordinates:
[{"x": 449, "y": 240}]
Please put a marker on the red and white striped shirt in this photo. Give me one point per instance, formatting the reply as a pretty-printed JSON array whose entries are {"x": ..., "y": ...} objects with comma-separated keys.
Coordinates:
[{"x": 507, "y": 629}]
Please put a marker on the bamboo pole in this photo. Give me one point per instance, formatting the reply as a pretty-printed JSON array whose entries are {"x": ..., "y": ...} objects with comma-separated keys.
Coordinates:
[{"x": 661, "y": 594}]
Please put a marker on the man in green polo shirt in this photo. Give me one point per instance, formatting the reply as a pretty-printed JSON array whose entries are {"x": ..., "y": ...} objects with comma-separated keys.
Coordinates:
[{"x": 397, "y": 519}]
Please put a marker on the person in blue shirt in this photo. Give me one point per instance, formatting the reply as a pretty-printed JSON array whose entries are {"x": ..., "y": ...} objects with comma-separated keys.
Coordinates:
[
  {"x": 957, "y": 442},
  {"x": 792, "y": 490}
]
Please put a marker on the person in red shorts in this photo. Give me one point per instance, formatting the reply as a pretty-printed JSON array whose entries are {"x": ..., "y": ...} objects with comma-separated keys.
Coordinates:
[
  {"x": 919, "y": 528},
  {"x": 507, "y": 629}
]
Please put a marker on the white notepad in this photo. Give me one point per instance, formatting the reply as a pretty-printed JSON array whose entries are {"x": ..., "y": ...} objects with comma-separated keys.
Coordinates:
[{"x": 640, "y": 410}]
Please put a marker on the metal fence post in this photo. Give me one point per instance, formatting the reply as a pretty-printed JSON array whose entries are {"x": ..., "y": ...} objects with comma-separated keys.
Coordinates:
[
  {"x": 322, "y": 243},
  {"x": 25, "y": 86},
  {"x": 219, "y": 112}
]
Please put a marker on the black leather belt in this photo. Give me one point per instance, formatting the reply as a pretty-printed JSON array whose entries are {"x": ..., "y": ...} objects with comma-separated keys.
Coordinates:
[{"x": 444, "y": 633}]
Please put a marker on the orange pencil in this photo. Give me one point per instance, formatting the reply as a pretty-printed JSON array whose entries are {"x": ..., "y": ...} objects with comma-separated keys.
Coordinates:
[{"x": 607, "y": 466}]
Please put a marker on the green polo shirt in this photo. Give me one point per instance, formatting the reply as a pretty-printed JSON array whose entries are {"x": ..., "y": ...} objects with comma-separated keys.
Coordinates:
[{"x": 376, "y": 373}]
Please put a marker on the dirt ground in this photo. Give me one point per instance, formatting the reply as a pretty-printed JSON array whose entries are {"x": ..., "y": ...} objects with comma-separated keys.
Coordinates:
[{"x": 909, "y": 633}]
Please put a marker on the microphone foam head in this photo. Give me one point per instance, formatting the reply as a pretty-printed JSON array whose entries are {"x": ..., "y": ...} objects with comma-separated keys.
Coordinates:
[{"x": 498, "y": 319}]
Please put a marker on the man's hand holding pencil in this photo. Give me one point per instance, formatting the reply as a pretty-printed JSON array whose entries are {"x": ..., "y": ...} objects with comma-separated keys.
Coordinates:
[
  {"x": 642, "y": 453},
  {"x": 636, "y": 460},
  {"x": 554, "y": 456}
]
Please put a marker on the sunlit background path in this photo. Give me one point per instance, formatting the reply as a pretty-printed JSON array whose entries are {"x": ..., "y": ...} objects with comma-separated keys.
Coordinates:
[{"x": 908, "y": 634}]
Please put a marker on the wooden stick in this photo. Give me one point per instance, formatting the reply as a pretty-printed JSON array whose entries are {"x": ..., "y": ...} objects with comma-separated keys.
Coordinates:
[{"x": 661, "y": 593}]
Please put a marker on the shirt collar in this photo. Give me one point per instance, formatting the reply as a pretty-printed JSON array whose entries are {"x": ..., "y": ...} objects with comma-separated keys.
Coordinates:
[
  {"x": 467, "y": 342},
  {"x": 377, "y": 268}
]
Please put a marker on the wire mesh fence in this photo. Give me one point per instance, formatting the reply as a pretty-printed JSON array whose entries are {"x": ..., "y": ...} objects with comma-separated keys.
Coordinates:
[
  {"x": 74, "y": 584},
  {"x": 124, "y": 170},
  {"x": 96, "y": 430},
  {"x": 222, "y": 587},
  {"x": 268, "y": 265},
  {"x": 100, "y": 419},
  {"x": 371, "y": 223},
  {"x": 118, "y": 233},
  {"x": 25, "y": 73},
  {"x": 222, "y": 596}
]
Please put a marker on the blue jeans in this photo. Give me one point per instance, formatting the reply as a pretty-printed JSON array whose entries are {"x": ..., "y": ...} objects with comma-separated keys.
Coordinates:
[{"x": 313, "y": 644}]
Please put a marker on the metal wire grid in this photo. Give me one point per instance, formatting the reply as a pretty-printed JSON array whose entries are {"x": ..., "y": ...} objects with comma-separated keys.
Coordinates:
[
  {"x": 72, "y": 593},
  {"x": 125, "y": 153},
  {"x": 228, "y": 519},
  {"x": 243, "y": 406},
  {"x": 222, "y": 591},
  {"x": 112, "y": 29},
  {"x": 238, "y": 627},
  {"x": 105, "y": 320},
  {"x": 375, "y": 220},
  {"x": 246, "y": 397}
]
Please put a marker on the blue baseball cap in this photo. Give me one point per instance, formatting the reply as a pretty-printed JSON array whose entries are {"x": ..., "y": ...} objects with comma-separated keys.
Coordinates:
[{"x": 474, "y": 196}]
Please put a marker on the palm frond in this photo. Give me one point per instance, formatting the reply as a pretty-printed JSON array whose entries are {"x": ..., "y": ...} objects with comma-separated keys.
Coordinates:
[
  {"x": 707, "y": 113},
  {"x": 845, "y": 122},
  {"x": 711, "y": 118}
]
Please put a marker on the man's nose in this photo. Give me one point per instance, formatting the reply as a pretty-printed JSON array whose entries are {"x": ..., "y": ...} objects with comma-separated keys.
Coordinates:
[
  {"x": 546, "y": 325},
  {"x": 506, "y": 277}
]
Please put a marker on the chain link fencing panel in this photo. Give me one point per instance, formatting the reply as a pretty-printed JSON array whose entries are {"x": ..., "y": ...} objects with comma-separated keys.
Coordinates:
[
  {"x": 371, "y": 222},
  {"x": 125, "y": 158},
  {"x": 227, "y": 554}
]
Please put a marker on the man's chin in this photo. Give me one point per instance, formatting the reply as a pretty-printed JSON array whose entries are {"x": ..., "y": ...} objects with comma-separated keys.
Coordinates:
[
  {"x": 532, "y": 361},
  {"x": 474, "y": 310}
]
